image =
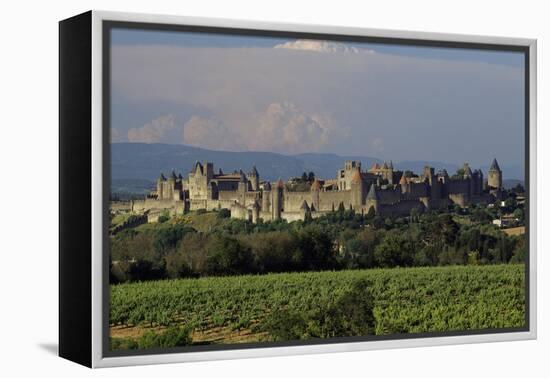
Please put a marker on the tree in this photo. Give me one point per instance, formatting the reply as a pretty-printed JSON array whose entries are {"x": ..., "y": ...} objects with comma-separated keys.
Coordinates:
[
  {"x": 371, "y": 213},
  {"x": 304, "y": 177},
  {"x": 227, "y": 255},
  {"x": 311, "y": 177},
  {"x": 519, "y": 215}
]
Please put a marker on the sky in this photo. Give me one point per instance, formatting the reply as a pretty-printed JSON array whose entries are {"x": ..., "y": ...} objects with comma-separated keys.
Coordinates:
[{"x": 291, "y": 96}]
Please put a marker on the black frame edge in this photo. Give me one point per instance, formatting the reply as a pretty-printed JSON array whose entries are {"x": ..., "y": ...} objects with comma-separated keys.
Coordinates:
[{"x": 75, "y": 193}]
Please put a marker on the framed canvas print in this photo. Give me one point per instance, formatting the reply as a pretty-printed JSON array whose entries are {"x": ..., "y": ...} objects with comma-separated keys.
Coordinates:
[{"x": 234, "y": 189}]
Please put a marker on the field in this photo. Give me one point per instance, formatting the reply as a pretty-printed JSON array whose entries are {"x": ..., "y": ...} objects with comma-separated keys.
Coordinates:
[
  {"x": 405, "y": 300},
  {"x": 515, "y": 230}
]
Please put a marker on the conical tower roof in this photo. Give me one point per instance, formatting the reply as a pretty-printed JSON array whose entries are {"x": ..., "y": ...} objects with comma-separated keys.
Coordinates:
[
  {"x": 161, "y": 177},
  {"x": 280, "y": 184},
  {"x": 467, "y": 170},
  {"x": 243, "y": 177},
  {"x": 403, "y": 180},
  {"x": 494, "y": 166},
  {"x": 254, "y": 171},
  {"x": 197, "y": 168},
  {"x": 373, "y": 193}
]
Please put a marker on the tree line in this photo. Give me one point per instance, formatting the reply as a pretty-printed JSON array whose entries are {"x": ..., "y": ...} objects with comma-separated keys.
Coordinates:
[{"x": 339, "y": 240}]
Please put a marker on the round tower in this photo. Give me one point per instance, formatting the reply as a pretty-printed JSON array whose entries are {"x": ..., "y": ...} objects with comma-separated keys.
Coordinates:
[
  {"x": 315, "y": 190},
  {"x": 255, "y": 212},
  {"x": 357, "y": 190},
  {"x": 160, "y": 182},
  {"x": 373, "y": 199},
  {"x": 266, "y": 194},
  {"x": 254, "y": 179},
  {"x": 277, "y": 200},
  {"x": 494, "y": 177}
]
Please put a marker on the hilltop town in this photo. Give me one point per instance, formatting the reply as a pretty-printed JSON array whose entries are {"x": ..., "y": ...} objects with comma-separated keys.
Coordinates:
[{"x": 380, "y": 189}]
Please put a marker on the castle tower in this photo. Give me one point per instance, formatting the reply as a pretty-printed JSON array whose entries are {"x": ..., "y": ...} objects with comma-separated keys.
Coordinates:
[
  {"x": 266, "y": 197},
  {"x": 468, "y": 175},
  {"x": 209, "y": 170},
  {"x": 160, "y": 184},
  {"x": 443, "y": 176},
  {"x": 494, "y": 177},
  {"x": 169, "y": 186},
  {"x": 277, "y": 199},
  {"x": 357, "y": 190},
  {"x": 428, "y": 174},
  {"x": 404, "y": 184},
  {"x": 254, "y": 179},
  {"x": 242, "y": 188},
  {"x": 479, "y": 183},
  {"x": 315, "y": 194},
  {"x": 255, "y": 212},
  {"x": 373, "y": 199}
]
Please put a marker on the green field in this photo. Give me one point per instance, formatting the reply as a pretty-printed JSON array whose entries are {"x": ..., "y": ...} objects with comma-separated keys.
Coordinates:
[{"x": 404, "y": 300}]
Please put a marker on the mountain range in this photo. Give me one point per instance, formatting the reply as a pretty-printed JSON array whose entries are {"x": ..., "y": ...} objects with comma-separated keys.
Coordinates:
[{"x": 140, "y": 161}]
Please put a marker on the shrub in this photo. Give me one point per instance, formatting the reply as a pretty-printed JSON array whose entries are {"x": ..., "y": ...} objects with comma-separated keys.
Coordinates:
[
  {"x": 171, "y": 337},
  {"x": 165, "y": 216},
  {"x": 224, "y": 213}
]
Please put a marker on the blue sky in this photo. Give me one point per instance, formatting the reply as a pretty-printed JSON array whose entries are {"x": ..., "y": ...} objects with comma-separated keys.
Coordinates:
[{"x": 291, "y": 96}]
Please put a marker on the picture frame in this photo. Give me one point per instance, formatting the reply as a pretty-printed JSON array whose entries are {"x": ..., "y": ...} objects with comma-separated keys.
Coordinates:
[{"x": 85, "y": 109}]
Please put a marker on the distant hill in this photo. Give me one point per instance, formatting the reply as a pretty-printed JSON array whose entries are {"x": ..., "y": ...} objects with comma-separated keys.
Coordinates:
[
  {"x": 146, "y": 161},
  {"x": 140, "y": 161},
  {"x": 509, "y": 184}
]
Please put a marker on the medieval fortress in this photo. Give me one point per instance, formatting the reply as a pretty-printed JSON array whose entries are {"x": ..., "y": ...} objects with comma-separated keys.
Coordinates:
[{"x": 387, "y": 191}]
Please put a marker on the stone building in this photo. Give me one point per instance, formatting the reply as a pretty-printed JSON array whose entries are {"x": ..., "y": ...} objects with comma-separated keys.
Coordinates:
[{"x": 387, "y": 191}]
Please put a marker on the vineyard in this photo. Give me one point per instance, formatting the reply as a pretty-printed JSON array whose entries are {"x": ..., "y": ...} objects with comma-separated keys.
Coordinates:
[{"x": 241, "y": 308}]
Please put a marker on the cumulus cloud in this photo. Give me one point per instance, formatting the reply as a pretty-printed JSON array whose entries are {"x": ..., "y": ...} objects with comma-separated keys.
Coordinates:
[
  {"x": 284, "y": 127},
  {"x": 164, "y": 129},
  {"x": 210, "y": 133},
  {"x": 321, "y": 46},
  {"x": 117, "y": 136}
]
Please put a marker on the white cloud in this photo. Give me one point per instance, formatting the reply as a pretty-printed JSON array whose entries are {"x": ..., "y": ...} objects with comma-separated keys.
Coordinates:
[
  {"x": 164, "y": 129},
  {"x": 210, "y": 133},
  {"x": 284, "y": 127},
  {"x": 321, "y": 46}
]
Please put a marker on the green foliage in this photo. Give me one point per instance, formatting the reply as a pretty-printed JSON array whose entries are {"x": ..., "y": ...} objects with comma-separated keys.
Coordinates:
[
  {"x": 164, "y": 216},
  {"x": 341, "y": 239},
  {"x": 224, "y": 213},
  {"x": 332, "y": 303},
  {"x": 171, "y": 337},
  {"x": 227, "y": 256}
]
